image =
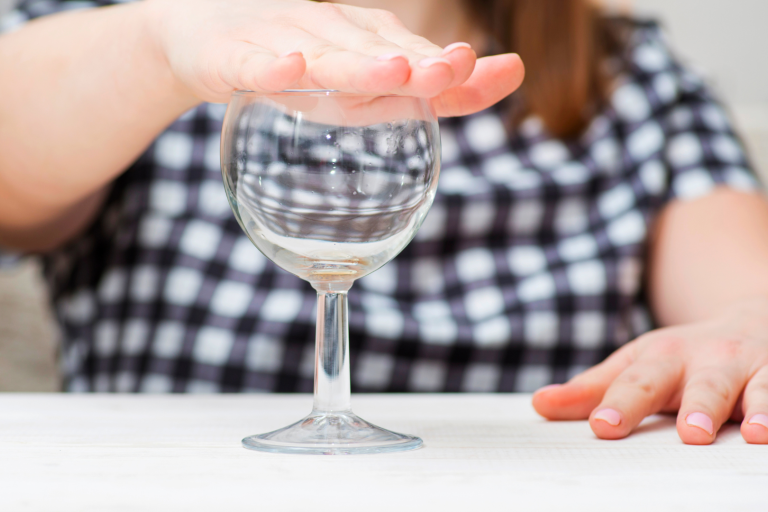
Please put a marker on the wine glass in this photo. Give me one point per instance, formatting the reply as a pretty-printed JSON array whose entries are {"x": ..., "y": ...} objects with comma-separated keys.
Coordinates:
[{"x": 330, "y": 186}]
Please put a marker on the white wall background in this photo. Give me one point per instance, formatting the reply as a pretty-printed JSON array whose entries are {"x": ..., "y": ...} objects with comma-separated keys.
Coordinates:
[
  {"x": 5, "y": 5},
  {"x": 727, "y": 38}
]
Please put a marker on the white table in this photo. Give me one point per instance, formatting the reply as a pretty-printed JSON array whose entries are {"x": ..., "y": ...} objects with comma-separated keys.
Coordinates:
[{"x": 482, "y": 452}]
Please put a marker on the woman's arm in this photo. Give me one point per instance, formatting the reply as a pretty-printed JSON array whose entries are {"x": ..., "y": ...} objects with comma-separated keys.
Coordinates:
[
  {"x": 708, "y": 255},
  {"x": 84, "y": 93}
]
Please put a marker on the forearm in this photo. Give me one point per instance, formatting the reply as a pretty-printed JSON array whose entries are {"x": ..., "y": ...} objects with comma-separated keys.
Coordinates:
[
  {"x": 709, "y": 255},
  {"x": 87, "y": 92}
]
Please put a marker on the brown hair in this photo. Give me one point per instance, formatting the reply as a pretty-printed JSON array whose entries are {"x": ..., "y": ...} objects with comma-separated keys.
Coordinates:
[{"x": 565, "y": 45}]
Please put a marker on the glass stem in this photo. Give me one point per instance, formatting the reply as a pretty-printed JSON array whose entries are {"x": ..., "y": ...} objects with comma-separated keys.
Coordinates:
[{"x": 332, "y": 382}]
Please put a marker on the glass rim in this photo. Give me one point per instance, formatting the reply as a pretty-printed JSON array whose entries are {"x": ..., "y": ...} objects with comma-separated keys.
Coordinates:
[{"x": 318, "y": 93}]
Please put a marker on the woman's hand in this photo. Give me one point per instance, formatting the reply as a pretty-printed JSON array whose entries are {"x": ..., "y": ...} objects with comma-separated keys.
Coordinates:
[
  {"x": 123, "y": 73},
  {"x": 707, "y": 372},
  {"x": 217, "y": 46}
]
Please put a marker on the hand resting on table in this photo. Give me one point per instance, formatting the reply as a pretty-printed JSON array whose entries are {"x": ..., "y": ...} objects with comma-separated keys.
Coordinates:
[{"x": 708, "y": 283}]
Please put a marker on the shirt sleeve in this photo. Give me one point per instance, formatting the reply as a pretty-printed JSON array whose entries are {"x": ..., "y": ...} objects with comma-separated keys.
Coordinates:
[
  {"x": 700, "y": 148},
  {"x": 27, "y": 10},
  {"x": 703, "y": 149}
]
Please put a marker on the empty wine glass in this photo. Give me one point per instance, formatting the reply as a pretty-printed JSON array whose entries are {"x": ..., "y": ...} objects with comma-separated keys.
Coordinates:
[{"x": 330, "y": 186}]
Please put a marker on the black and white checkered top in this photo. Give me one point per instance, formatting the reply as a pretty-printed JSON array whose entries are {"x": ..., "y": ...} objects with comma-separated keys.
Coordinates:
[{"x": 527, "y": 270}]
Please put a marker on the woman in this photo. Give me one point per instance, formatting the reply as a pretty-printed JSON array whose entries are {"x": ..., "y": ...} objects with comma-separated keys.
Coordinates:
[{"x": 608, "y": 196}]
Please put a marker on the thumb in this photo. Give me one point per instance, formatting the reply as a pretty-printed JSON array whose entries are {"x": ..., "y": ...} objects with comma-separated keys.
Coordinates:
[{"x": 576, "y": 399}]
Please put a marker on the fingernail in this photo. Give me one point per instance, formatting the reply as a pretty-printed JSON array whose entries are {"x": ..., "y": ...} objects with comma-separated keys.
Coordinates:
[
  {"x": 289, "y": 54},
  {"x": 609, "y": 416},
  {"x": 697, "y": 419},
  {"x": 759, "y": 419},
  {"x": 431, "y": 61},
  {"x": 448, "y": 49},
  {"x": 547, "y": 388},
  {"x": 390, "y": 56}
]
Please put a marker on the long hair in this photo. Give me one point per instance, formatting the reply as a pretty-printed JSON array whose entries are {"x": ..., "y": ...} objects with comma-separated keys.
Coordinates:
[{"x": 565, "y": 45}]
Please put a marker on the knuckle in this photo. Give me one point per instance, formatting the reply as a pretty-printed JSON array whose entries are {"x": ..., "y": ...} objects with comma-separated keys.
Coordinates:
[
  {"x": 241, "y": 71},
  {"x": 420, "y": 47},
  {"x": 713, "y": 386},
  {"x": 665, "y": 345},
  {"x": 639, "y": 382},
  {"x": 758, "y": 387},
  {"x": 729, "y": 348},
  {"x": 385, "y": 17},
  {"x": 629, "y": 353},
  {"x": 646, "y": 388},
  {"x": 370, "y": 46},
  {"x": 248, "y": 79},
  {"x": 329, "y": 9},
  {"x": 317, "y": 51},
  {"x": 417, "y": 45},
  {"x": 643, "y": 338},
  {"x": 244, "y": 78},
  {"x": 243, "y": 59},
  {"x": 212, "y": 75},
  {"x": 644, "y": 341}
]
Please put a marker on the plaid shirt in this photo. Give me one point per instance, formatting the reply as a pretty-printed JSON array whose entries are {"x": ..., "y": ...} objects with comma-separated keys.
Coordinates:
[{"x": 527, "y": 270}]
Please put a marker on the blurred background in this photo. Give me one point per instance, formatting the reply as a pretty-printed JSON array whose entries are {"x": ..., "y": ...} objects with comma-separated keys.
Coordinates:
[{"x": 724, "y": 40}]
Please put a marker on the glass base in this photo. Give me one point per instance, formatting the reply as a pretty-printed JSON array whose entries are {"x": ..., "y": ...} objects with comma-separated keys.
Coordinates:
[{"x": 332, "y": 433}]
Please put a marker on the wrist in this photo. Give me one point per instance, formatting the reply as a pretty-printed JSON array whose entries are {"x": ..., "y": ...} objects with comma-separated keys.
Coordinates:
[{"x": 151, "y": 15}]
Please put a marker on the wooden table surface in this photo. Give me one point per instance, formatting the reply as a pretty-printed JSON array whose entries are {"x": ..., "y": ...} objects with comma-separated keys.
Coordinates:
[{"x": 115, "y": 452}]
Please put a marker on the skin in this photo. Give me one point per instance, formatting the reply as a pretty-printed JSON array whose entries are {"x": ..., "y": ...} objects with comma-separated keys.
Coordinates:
[
  {"x": 708, "y": 283},
  {"x": 72, "y": 121},
  {"x": 441, "y": 21},
  {"x": 93, "y": 89}
]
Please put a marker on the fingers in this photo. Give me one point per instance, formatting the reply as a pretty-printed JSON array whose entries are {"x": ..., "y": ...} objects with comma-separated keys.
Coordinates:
[
  {"x": 361, "y": 62},
  {"x": 258, "y": 69},
  {"x": 349, "y": 49},
  {"x": 708, "y": 400},
  {"x": 429, "y": 74},
  {"x": 493, "y": 79},
  {"x": 334, "y": 68},
  {"x": 275, "y": 75},
  {"x": 364, "y": 39},
  {"x": 644, "y": 388},
  {"x": 376, "y": 25},
  {"x": 576, "y": 399},
  {"x": 460, "y": 55},
  {"x": 754, "y": 429},
  {"x": 330, "y": 67},
  {"x": 344, "y": 51},
  {"x": 318, "y": 64},
  {"x": 463, "y": 59}
]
